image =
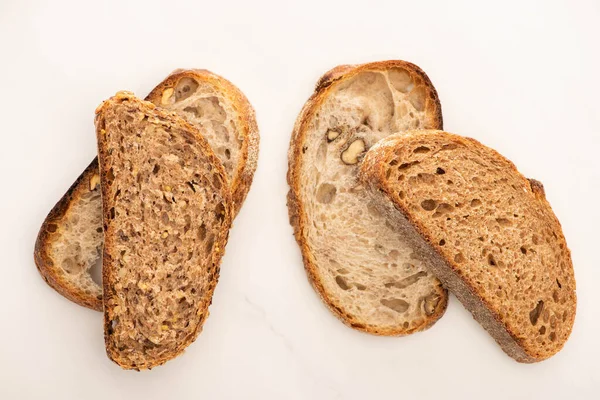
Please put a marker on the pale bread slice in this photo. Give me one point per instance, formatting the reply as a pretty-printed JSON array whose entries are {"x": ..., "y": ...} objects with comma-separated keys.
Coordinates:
[
  {"x": 70, "y": 240},
  {"x": 363, "y": 270},
  {"x": 167, "y": 211},
  {"x": 488, "y": 233}
]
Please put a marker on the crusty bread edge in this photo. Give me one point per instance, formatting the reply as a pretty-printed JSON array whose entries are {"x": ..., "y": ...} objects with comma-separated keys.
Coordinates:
[
  {"x": 296, "y": 214},
  {"x": 52, "y": 274},
  {"x": 247, "y": 123},
  {"x": 176, "y": 122},
  {"x": 372, "y": 174}
]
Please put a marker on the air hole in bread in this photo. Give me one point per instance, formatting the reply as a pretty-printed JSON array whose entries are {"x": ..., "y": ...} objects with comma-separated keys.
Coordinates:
[
  {"x": 421, "y": 150},
  {"x": 51, "y": 228},
  {"x": 558, "y": 283},
  {"x": 228, "y": 154},
  {"x": 523, "y": 250},
  {"x": 202, "y": 232},
  {"x": 341, "y": 282},
  {"x": 401, "y": 194},
  {"x": 423, "y": 177},
  {"x": 444, "y": 208},
  {"x": 491, "y": 260},
  {"x": 185, "y": 88},
  {"x": 442, "y": 242},
  {"x": 459, "y": 258},
  {"x": 428, "y": 205},
  {"x": 407, "y": 165},
  {"x": 360, "y": 286},
  {"x": 417, "y": 98},
  {"x": 503, "y": 222},
  {"x": 534, "y": 314},
  {"x": 475, "y": 203},
  {"x": 398, "y": 305},
  {"x": 406, "y": 282},
  {"x": 440, "y": 171},
  {"x": 326, "y": 193},
  {"x": 401, "y": 80}
]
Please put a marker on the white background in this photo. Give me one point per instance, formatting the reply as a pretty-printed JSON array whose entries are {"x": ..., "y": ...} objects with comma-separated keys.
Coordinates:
[{"x": 522, "y": 77}]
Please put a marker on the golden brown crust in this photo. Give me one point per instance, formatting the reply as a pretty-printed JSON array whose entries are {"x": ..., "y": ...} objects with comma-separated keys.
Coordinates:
[
  {"x": 296, "y": 214},
  {"x": 54, "y": 274},
  {"x": 50, "y": 232},
  {"x": 244, "y": 174},
  {"x": 175, "y": 122},
  {"x": 373, "y": 172}
]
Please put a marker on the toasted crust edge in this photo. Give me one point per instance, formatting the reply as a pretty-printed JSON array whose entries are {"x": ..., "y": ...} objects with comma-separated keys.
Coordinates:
[
  {"x": 244, "y": 174},
  {"x": 51, "y": 273},
  {"x": 295, "y": 211},
  {"x": 178, "y": 123},
  {"x": 372, "y": 174}
]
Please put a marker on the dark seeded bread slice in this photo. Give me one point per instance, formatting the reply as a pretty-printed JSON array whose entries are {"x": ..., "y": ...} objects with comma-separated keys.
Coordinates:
[
  {"x": 363, "y": 270},
  {"x": 488, "y": 232},
  {"x": 167, "y": 212},
  {"x": 70, "y": 239}
]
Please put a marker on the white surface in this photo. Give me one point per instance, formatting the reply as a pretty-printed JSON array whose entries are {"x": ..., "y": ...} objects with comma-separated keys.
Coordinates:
[{"x": 522, "y": 78}]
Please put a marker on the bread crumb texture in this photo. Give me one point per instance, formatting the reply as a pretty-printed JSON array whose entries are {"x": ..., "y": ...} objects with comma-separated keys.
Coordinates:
[
  {"x": 366, "y": 273},
  {"x": 166, "y": 218},
  {"x": 492, "y": 226}
]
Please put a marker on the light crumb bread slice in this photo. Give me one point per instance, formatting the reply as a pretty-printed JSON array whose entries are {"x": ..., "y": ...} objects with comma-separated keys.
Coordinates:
[
  {"x": 367, "y": 274},
  {"x": 487, "y": 231},
  {"x": 70, "y": 240},
  {"x": 167, "y": 211}
]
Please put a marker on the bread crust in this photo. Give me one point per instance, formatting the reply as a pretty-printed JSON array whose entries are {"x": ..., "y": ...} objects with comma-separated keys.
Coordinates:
[
  {"x": 54, "y": 275},
  {"x": 372, "y": 173},
  {"x": 176, "y": 122},
  {"x": 296, "y": 213}
]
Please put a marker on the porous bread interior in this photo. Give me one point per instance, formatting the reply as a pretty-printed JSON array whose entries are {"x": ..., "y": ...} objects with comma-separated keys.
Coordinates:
[
  {"x": 165, "y": 212},
  {"x": 369, "y": 273},
  {"x": 497, "y": 231},
  {"x": 79, "y": 247},
  {"x": 206, "y": 107},
  {"x": 79, "y": 231}
]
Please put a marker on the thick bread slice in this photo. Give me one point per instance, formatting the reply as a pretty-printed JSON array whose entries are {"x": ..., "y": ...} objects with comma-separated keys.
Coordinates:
[
  {"x": 363, "y": 270},
  {"x": 167, "y": 211},
  {"x": 488, "y": 233},
  {"x": 70, "y": 239}
]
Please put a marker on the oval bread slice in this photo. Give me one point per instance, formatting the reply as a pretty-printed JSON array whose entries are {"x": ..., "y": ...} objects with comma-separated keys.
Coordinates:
[
  {"x": 70, "y": 239},
  {"x": 488, "y": 233},
  {"x": 167, "y": 212},
  {"x": 363, "y": 270}
]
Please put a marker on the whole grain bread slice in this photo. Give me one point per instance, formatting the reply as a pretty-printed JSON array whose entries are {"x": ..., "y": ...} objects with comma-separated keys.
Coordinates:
[
  {"x": 366, "y": 274},
  {"x": 70, "y": 240},
  {"x": 167, "y": 211},
  {"x": 488, "y": 233}
]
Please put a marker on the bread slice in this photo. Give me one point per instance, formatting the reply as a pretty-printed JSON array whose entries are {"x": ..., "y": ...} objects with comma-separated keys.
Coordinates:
[
  {"x": 366, "y": 273},
  {"x": 70, "y": 240},
  {"x": 488, "y": 233},
  {"x": 167, "y": 211}
]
